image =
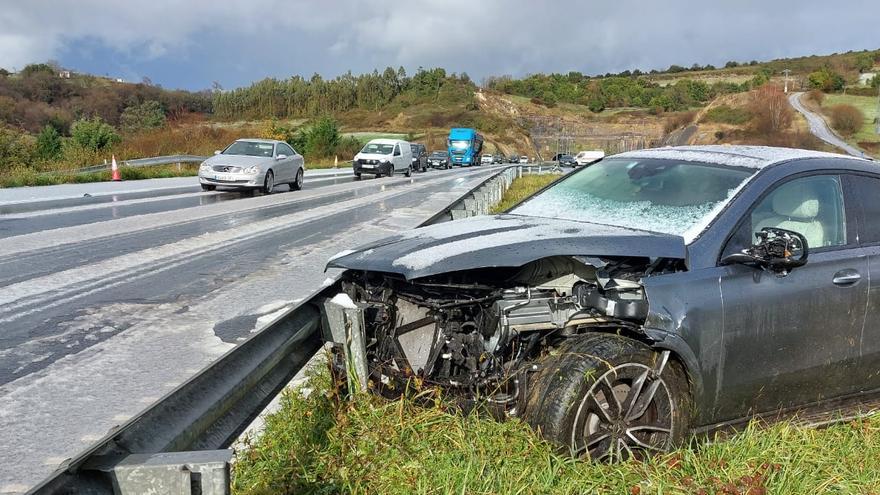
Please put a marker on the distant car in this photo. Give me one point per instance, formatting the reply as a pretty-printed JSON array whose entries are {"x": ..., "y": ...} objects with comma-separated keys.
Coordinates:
[
  {"x": 383, "y": 157},
  {"x": 253, "y": 164},
  {"x": 524, "y": 159},
  {"x": 513, "y": 159},
  {"x": 419, "y": 157},
  {"x": 566, "y": 161},
  {"x": 438, "y": 159},
  {"x": 499, "y": 158},
  {"x": 587, "y": 157},
  {"x": 486, "y": 159}
]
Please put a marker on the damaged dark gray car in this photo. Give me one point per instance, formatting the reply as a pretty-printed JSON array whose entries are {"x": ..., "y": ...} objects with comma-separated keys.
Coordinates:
[{"x": 653, "y": 295}]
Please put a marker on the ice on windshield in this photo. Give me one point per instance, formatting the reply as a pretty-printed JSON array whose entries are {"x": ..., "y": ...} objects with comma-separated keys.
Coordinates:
[
  {"x": 665, "y": 196},
  {"x": 378, "y": 149}
]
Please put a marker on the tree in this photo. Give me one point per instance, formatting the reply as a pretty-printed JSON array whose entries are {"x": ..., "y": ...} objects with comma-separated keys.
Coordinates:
[
  {"x": 48, "y": 143},
  {"x": 93, "y": 134},
  {"x": 826, "y": 80},
  {"x": 864, "y": 62},
  {"x": 147, "y": 115},
  {"x": 771, "y": 110},
  {"x": 875, "y": 81}
]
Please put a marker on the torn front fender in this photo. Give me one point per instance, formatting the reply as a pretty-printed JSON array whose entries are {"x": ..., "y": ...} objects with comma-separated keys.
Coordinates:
[{"x": 685, "y": 316}]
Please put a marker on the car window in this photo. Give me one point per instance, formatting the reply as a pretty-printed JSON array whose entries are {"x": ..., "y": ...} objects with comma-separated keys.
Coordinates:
[
  {"x": 396, "y": 150},
  {"x": 812, "y": 206},
  {"x": 867, "y": 190},
  {"x": 284, "y": 149}
]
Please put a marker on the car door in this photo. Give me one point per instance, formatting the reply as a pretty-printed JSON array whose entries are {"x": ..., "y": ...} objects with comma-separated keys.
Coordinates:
[
  {"x": 792, "y": 340},
  {"x": 283, "y": 166},
  {"x": 865, "y": 193}
]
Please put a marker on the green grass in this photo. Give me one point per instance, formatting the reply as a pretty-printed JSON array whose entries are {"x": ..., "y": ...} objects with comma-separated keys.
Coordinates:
[
  {"x": 19, "y": 177},
  {"x": 522, "y": 188},
  {"x": 868, "y": 106},
  {"x": 322, "y": 444}
]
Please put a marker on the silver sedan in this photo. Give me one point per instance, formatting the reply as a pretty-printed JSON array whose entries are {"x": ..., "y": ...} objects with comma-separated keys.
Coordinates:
[{"x": 253, "y": 164}]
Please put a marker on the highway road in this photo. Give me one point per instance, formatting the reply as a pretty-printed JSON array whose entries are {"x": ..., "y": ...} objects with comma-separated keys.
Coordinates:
[
  {"x": 110, "y": 301},
  {"x": 820, "y": 129}
]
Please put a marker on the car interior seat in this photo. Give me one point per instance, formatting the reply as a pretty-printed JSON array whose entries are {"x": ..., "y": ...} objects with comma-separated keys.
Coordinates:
[{"x": 796, "y": 207}]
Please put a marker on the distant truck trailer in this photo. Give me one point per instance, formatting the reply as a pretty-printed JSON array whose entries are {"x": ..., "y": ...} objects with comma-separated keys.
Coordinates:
[{"x": 464, "y": 146}]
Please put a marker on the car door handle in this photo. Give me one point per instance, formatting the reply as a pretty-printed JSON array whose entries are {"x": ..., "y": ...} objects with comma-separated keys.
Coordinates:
[{"x": 846, "y": 277}]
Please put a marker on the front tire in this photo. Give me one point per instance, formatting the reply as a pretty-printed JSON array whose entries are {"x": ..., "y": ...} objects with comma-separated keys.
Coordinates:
[
  {"x": 609, "y": 398},
  {"x": 269, "y": 183}
]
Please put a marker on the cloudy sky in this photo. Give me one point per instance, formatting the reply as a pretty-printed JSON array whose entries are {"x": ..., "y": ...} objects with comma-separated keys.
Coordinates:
[{"x": 191, "y": 43}]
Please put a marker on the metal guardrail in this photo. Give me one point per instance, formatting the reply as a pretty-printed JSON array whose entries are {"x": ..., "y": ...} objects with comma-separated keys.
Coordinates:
[
  {"x": 174, "y": 445},
  {"x": 140, "y": 162}
]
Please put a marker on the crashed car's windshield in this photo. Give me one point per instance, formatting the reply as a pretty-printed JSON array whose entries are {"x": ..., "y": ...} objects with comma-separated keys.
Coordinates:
[{"x": 665, "y": 196}]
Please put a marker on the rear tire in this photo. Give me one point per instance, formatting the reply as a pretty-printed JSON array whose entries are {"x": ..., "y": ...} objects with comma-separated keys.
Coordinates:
[
  {"x": 297, "y": 183},
  {"x": 609, "y": 398},
  {"x": 269, "y": 183},
  {"x": 408, "y": 172},
  {"x": 208, "y": 187}
]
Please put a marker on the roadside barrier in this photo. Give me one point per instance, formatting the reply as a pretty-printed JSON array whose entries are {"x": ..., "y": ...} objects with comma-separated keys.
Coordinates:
[{"x": 180, "y": 443}]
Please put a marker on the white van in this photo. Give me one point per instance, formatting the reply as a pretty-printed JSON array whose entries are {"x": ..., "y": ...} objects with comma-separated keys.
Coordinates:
[
  {"x": 383, "y": 157},
  {"x": 487, "y": 159},
  {"x": 587, "y": 157}
]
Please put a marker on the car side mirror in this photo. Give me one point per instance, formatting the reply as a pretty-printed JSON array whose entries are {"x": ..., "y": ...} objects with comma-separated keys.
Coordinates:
[
  {"x": 777, "y": 250},
  {"x": 281, "y": 157},
  {"x": 217, "y": 152}
]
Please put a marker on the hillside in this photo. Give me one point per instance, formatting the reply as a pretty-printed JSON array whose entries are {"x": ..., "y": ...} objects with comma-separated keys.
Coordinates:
[{"x": 50, "y": 122}]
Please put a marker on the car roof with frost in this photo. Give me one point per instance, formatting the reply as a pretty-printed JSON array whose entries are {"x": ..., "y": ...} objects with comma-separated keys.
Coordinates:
[{"x": 733, "y": 156}]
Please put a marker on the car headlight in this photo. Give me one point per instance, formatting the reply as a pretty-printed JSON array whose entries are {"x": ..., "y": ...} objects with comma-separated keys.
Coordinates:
[
  {"x": 204, "y": 166},
  {"x": 251, "y": 170}
]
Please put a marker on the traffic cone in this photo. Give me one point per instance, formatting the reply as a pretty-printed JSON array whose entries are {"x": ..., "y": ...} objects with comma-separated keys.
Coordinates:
[{"x": 114, "y": 170}]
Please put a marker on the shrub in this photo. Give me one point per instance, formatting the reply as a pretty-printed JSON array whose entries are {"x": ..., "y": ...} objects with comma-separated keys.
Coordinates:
[
  {"x": 147, "y": 115},
  {"x": 93, "y": 134},
  {"x": 322, "y": 138},
  {"x": 725, "y": 114},
  {"x": 826, "y": 80},
  {"x": 816, "y": 96},
  {"x": 678, "y": 120},
  {"x": 771, "y": 111},
  {"x": 596, "y": 105},
  {"x": 846, "y": 119},
  {"x": 48, "y": 143},
  {"x": 16, "y": 149}
]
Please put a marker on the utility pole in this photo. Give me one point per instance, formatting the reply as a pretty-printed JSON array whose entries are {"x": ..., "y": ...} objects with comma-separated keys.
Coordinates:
[{"x": 786, "y": 72}]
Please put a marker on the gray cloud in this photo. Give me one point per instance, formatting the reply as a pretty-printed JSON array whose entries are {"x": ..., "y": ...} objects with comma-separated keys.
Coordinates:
[{"x": 239, "y": 41}]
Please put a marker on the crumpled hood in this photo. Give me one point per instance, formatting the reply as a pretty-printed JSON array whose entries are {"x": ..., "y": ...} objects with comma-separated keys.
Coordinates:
[{"x": 501, "y": 241}]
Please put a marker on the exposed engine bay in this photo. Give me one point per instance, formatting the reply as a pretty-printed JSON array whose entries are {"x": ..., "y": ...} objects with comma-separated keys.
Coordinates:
[{"x": 475, "y": 332}]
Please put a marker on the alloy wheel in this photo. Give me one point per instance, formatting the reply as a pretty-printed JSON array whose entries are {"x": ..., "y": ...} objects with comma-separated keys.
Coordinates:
[{"x": 627, "y": 412}]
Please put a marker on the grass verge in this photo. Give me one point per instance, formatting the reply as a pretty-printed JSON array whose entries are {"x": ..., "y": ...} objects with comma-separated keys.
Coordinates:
[
  {"x": 866, "y": 136},
  {"x": 521, "y": 188},
  {"x": 19, "y": 177},
  {"x": 320, "y": 444}
]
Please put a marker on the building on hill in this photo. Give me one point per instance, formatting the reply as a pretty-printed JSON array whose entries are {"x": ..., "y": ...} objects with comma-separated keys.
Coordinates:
[{"x": 865, "y": 78}]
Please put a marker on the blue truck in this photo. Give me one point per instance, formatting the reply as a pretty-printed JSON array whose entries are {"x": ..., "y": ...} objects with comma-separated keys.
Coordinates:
[{"x": 464, "y": 146}]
